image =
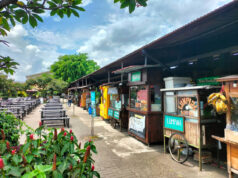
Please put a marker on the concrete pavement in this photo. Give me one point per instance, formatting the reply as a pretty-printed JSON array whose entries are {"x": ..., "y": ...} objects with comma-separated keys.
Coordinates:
[{"x": 122, "y": 156}]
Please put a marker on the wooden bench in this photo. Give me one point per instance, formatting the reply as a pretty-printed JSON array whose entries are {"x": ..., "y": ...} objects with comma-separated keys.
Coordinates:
[
  {"x": 16, "y": 112},
  {"x": 64, "y": 119},
  {"x": 20, "y": 113},
  {"x": 53, "y": 115}
]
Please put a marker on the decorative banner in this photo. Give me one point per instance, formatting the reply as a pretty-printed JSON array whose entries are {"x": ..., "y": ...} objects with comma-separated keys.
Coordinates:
[
  {"x": 142, "y": 95},
  {"x": 174, "y": 123},
  {"x": 93, "y": 103},
  {"x": 137, "y": 124},
  {"x": 110, "y": 112},
  {"x": 136, "y": 76},
  {"x": 116, "y": 114}
]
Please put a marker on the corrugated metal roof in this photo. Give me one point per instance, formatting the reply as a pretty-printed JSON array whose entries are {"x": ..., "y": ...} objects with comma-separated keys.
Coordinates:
[{"x": 205, "y": 25}]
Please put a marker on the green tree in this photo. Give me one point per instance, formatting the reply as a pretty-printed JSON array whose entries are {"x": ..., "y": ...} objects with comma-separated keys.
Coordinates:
[
  {"x": 71, "y": 67},
  {"x": 46, "y": 84},
  {"x": 8, "y": 88},
  {"x": 56, "y": 86}
]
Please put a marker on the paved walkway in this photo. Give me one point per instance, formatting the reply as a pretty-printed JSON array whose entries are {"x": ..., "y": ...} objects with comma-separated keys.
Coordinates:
[{"x": 122, "y": 156}]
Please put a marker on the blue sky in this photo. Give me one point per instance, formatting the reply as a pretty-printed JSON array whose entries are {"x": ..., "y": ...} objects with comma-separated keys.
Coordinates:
[{"x": 104, "y": 31}]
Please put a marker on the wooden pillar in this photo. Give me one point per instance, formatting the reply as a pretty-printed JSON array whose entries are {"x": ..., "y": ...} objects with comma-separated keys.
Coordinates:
[
  {"x": 229, "y": 160},
  {"x": 108, "y": 73},
  {"x": 145, "y": 60},
  {"x": 122, "y": 73},
  {"x": 200, "y": 132}
]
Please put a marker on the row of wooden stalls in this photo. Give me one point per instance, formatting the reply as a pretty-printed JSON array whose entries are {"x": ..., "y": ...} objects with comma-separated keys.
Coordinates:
[
  {"x": 170, "y": 110},
  {"x": 170, "y": 91}
]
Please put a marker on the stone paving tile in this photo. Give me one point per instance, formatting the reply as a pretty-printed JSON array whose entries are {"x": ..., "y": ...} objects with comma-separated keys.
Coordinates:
[{"x": 122, "y": 156}]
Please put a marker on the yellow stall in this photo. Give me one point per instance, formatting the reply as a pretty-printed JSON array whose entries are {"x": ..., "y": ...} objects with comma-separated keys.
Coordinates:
[{"x": 105, "y": 102}]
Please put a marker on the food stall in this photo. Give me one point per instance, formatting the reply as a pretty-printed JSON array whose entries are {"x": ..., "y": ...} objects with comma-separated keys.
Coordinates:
[
  {"x": 231, "y": 130},
  {"x": 84, "y": 95},
  {"x": 105, "y": 102},
  {"x": 98, "y": 101},
  {"x": 145, "y": 106},
  {"x": 88, "y": 100},
  {"x": 119, "y": 95},
  {"x": 189, "y": 122}
]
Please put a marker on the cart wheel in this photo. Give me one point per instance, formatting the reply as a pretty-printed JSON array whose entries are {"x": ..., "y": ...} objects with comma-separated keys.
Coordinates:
[{"x": 178, "y": 148}]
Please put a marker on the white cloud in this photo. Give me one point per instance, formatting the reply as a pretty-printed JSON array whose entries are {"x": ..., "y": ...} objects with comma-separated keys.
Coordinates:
[
  {"x": 57, "y": 19},
  {"x": 126, "y": 32},
  {"x": 86, "y": 2},
  {"x": 33, "y": 48},
  {"x": 31, "y": 57}
]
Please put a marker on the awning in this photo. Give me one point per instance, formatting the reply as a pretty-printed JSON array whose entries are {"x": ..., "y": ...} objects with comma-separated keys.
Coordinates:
[{"x": 133, "y": 68}]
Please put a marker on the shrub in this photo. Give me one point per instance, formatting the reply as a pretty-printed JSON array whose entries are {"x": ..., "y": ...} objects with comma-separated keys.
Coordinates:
[
  {"x": 11, "y": 127},
  {"x": 49, "y": 155}
]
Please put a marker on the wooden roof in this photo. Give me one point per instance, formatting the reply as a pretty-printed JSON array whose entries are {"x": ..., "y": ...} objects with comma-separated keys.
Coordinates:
[
  {"x": 215, "y": 32},
  {"x": 228, "y": 78}
]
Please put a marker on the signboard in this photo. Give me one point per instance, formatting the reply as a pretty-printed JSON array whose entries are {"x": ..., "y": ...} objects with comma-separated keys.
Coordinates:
[
  {"x": 174, "y": 123},
  {"x": 93, "y": 103},
  {"x": 187, "y": 106},
  {"x": 137, "y": 124},
  {"x": 116, "y": 115},
  {"x": 110, "y": 112},
  {"x": 136, "y": 76}
]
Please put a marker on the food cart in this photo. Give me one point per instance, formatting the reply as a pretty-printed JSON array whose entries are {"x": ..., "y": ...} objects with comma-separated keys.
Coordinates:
[
  {"x": 231, "y": 131},
  {"x": 105, "y": 102},
  {"x": 189, "y": 121},
  {"x": 119, "y": 95},
  {"x": 145, "y": 106}
]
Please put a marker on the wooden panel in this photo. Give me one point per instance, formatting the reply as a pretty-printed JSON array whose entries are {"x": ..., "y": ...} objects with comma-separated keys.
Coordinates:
[
  {"x": 234, "y": 157},
  {"x": 156, "y": 127},
  {"x": 191, "y": 133},
  {"x": 232, "y": 88}
]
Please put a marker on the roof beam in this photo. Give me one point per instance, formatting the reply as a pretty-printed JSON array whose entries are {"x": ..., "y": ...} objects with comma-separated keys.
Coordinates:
[
  {"x": 146, "y": 54},
  {"x": 220, "y": 51}
]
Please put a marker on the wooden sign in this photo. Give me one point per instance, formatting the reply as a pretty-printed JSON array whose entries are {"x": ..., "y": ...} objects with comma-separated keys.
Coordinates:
[
  {"x": 137, "y": 124},
  {"x": 174, "y": 123},
  {"x": 136, "y": 76},
  {"x": 188, "y": 106}
]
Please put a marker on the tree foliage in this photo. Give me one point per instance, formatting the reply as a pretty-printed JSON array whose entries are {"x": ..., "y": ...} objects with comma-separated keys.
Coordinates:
[
  {"x": 7, "y": 65},
  {"x": 9, "y": 88},
  {"x": 31, "y": 10},
  {"x": 46, "y": 84},
  {"x": 131, "y": 4},
  {"x": 71, "y": 67}
]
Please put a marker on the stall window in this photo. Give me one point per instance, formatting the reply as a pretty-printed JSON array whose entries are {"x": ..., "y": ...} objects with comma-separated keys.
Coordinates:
[
  {"x": 115, "y": 101},
  {"x": 234, "y": 114},
  {"x": 155, "y": 98},
  {"x": 170, "y": 103},
  {"x": 138, "y": 97}
]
